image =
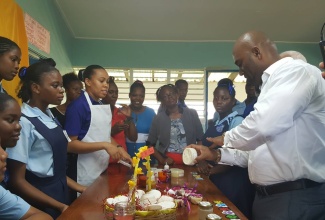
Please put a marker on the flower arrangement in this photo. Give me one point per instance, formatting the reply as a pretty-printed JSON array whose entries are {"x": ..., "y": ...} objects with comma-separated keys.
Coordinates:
[
  {"x": 150, "y": 205},
  {"x": 143, "y": 153}
]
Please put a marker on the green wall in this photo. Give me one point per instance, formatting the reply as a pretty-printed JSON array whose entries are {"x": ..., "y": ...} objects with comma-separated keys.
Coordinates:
[
  {"x": 169, "y": 55},
  {"x": 48, "y": 15},
  {"x": 68, "y": 51}
]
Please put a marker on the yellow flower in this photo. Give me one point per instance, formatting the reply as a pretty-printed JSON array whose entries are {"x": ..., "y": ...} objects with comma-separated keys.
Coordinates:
[
  {"x": 131, "y": 184},
  {"x": 147, "y": 164},
  {"x": 144, "y": 148},
  {"x": 135, "y": 161},
  {"x": 139, "y": 170}
]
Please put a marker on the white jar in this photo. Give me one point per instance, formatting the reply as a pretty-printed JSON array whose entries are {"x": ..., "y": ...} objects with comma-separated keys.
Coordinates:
[
  {"x": 205, "y": 208},
  {"x": 189, "y": 154}
]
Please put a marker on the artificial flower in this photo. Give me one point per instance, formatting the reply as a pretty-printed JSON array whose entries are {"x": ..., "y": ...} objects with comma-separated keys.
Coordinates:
[
  {"x": 131, "y": 184},
  {"x": 139, "y": 170}
]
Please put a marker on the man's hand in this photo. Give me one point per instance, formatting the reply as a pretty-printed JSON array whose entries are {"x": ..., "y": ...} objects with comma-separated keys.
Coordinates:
[
  {"x": 217, "y": 141},
  {"x": 204, "y": 153},
  {"x": 204, "y": 167}
]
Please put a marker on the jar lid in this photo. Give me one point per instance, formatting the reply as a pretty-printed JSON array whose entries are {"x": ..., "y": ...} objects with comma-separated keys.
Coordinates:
[
  {"x": 205, "y": 205},
  {"x": 175, "y": 172},
  {"x": 213, "y": 217}
]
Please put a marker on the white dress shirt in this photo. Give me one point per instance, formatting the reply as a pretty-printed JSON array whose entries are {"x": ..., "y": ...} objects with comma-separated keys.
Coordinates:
[{"x": 284, "y": 135}]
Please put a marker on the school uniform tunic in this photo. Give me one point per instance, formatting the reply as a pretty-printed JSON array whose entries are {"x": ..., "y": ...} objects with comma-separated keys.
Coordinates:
[{"x": 42, "y": 147}]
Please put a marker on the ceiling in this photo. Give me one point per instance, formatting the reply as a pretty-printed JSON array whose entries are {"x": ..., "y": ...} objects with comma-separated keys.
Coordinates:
[{"x": 193, "y": 20}]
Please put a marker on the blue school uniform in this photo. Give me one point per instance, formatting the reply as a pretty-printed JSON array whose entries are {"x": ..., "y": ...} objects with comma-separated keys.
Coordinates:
[
  {"x": 2, "y": 90},
  {"x": 11, "y": 206},
  {"x": 249, "y": 107},
  {"x": 233, "y": 183},
  {"x": 42, "y": 147},
  {"x": 239, "y": 107}
]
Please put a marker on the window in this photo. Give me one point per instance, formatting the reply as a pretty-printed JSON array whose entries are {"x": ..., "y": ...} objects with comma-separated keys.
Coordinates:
[{"x": 199, "y": 92}]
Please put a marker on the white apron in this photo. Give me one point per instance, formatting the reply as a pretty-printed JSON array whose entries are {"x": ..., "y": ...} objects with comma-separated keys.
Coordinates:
[{"x": 91, "y": 165}]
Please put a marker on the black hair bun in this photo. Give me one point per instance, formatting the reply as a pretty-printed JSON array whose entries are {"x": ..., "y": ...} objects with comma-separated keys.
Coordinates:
[
  {"x": 81, "y": 75},
  {"x": 225, "y": 81},
  {"x": 49, "y": 61}
]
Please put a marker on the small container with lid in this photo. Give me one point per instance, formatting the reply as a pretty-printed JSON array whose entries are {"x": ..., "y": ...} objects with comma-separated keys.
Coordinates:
[
  {"x": 177, "y": 177},
  {"x": 213, "y": 217},
  {"x": 205, "y": 208},
  {"x": 189, "y": 154},
  {"x": 167, "y": 172},
  {"x": 124, "y": 210},
  {"x": 175, "y": 172}
]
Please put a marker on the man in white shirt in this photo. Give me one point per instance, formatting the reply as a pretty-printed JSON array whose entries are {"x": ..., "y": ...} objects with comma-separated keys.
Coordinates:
[{"x": 282, "y": 141}]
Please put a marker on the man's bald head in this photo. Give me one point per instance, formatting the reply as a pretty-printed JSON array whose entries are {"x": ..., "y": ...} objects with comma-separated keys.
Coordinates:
[
  {"x": 294, "y": 54},
  {"x": 253, "y": 53}
]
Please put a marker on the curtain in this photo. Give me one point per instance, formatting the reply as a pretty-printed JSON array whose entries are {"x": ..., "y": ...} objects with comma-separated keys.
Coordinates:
[{"x": 13, "y": 27}]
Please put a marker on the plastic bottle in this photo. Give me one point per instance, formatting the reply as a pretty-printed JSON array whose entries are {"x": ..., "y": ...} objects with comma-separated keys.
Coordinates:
[{"x": 168, "y": 172}]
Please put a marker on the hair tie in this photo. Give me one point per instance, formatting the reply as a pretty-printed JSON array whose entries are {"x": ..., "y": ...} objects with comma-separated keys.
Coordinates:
[
  {"x": 230, "y": 87},
  {"x": 22, "y": 73}
]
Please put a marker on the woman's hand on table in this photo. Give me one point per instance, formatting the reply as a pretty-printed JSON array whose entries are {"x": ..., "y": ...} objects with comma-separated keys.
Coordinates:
[
  {"x": 82, "y": 189},
  {"x": 124, "y": 155},
  {"x": 112, "y": 150},
  {"x": 63, "y": 207}
]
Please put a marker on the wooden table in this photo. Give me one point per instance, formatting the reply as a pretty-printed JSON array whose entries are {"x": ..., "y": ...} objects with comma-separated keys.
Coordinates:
[{"x": 113, "y": 182}]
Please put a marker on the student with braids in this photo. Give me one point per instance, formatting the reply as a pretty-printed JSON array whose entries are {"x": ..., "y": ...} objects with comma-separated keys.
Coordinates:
[
  {"x": 12, "y": 207},
  {"x": 10, "y": 55},
  {"x": 233, "y": 181},
  {"x": 174, "y": 128},
  {"x": 122, "y": 123},
  {"x": 37, "y": 165},
  {"x": 142, "y": 117},
  {"x": 88, "y": 124},
  {"x": 72, "y": 86}
]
